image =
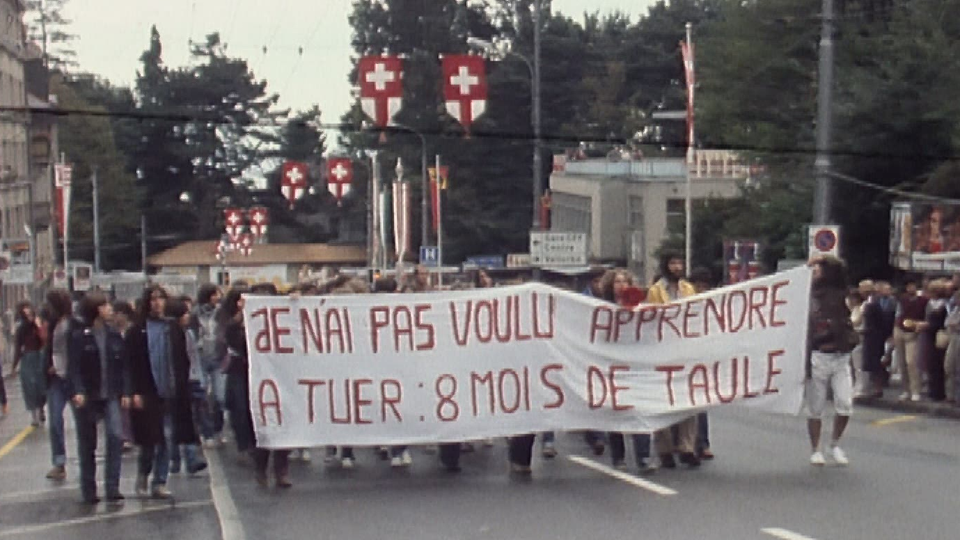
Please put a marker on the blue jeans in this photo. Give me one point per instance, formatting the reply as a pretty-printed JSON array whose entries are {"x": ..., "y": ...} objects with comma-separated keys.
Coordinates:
[
  {"x": 86, "y": 419},
  {"x": 156, "y": 459},
  {"x": 216, "y": 381},
  {"x": 56, "y": 403}
]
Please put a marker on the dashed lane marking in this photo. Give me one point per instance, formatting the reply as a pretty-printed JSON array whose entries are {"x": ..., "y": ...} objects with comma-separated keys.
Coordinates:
[
  {"x": 784, "y": 534},
  {"x": 893, "y": 420},
  {"x": 106, "y": 515},
  {"x": 622, "y": 476},
  {"x": 17, "y": 439}
]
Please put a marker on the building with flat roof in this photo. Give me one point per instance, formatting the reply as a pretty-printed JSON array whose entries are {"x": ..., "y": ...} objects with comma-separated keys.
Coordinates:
[{"x": 629, "y": 207}]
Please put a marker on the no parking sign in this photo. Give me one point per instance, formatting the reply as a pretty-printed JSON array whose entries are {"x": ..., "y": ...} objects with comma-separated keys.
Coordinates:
[{"x": 824, "y": 240}]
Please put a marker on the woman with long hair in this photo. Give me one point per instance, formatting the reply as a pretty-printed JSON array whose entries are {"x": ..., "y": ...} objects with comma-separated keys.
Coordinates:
[
  {"x": 188, "y": 374},
  {"x": 58, "y": 392},
  {"x": 27, "y": 354},
  {"x": 238, "y": 383}
]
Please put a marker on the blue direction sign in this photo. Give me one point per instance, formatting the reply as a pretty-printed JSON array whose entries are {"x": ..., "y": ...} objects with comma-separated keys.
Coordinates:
[
  {"x": 484, "y": 261},
  {"x": 429, "y": 256}
]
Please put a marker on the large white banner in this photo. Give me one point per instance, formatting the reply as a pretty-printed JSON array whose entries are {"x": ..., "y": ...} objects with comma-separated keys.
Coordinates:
[{"x": 453, "y": 366}]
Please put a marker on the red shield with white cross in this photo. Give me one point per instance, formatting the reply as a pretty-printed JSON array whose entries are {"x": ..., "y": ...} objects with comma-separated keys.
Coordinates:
[
  {"x": 259, "y": 220},
  {"x": 380, "y": 79},
  {"x": 339, "y": 177},
  {"x": 465, "y": 87},
  {"x": 246, "y": 244},
  {"x": 293, "y": 183},
  {"x": 233, "y": 222}
]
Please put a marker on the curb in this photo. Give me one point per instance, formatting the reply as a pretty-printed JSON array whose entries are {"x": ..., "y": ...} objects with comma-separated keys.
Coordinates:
[{"x": 936, "y": 410}]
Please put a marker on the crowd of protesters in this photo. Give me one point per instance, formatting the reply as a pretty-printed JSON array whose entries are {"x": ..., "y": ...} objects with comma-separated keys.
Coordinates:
[{"x": 169, "y": 375}]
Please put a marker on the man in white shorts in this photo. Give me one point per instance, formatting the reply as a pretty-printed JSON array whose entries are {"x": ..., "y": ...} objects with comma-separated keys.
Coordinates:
[{"x": 831, "y": 339}]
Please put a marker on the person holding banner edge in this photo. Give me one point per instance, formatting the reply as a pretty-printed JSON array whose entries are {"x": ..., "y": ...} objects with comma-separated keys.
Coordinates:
[{"x": 831, "y": 340}]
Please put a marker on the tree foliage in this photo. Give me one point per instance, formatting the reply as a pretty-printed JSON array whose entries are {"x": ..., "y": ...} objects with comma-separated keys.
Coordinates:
[{"x": 51, "y": 29}]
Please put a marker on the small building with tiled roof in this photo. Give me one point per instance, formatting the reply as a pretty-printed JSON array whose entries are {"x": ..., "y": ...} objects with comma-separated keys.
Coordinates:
[{"x": 281, "y": 264}]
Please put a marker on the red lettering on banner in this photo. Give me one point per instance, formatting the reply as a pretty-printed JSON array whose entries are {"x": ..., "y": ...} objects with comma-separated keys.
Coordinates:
[
  {"x": 647, "y": 314},
  {"x": 703, "y": 384},
  {"x": 686, "y": 320},
  {"x": 478, "y": 320},
  {"x": 747, "y": 394},
  {"x": 349, "y": 328},
  {"x": 624, "y": 317},
  {"x": 670, "y": 370},
  {"x": 596, "y": 325},
  {"x": 504, "y": 336},
  {"x": 710, "y": 306},
  {"x": 667, "y": 320},
  {"x": 593, "y": 374},
  {"x": 430, "y": 339},
  {"x": 756, "y": 306},
  {"x": 448, "y": 410},
  {"x": 461, "y": 337},
  {"x": 261, "y": 340},
  {"x": 334, "y": 328},
  {"x": 526, "y": 388},
  {"x": 772, "y": 371},
  {"x": 614, "y": 389},
  {"x": 509, "y": 409},
  {"x": 551, "y": 313},
  {"x": 518, "y": 334},
  {"x": 311, "y": 385},
  {"x": 379, "y": 319},
  {"x": 311, "y": 331},
  {"x": 279, "y": 331},
  {"x": 264, "y": 404},
  {"x": 487, "y": 381},
  {"x": 556, "y": 388},
  {"x": 331, "y": 394},
  {"x": 775, "y": 302},
  {"x": 390, "y": 401},
  {"x": 734, "y": 326},
  {"x": 359, "y": 402},
  {"x": 734, "y": 381},
  {"x": 402, "y": 327}
]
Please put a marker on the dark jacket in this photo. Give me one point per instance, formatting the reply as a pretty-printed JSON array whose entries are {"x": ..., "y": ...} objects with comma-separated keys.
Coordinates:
[
  {"x": 148, "y": 421},
  {"x": 84, "y": 374},
  {"x": 830, "y": 327},
  {"x": 874, "y": 335}
]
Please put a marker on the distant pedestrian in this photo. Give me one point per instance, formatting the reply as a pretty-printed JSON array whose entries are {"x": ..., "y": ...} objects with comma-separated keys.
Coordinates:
[
  {"x": 830, "y": 342},
  {"x": 702, "y": 282},
  {"x": 189, "y": 390},
  {"x": 58, "y": 384},
  {"x": 101, "y": 386},
  {"x": 28, "y": 357},
  {"x": 911, "y": 312},
  {"x": 212, "y": 349}
]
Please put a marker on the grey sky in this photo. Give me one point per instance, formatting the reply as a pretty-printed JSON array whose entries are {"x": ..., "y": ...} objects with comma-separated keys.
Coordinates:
[{"x": 113, "y": 34}]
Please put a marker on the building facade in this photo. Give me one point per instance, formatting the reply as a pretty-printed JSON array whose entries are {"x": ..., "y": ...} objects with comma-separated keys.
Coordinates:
[{"x": 628, "y": 208}]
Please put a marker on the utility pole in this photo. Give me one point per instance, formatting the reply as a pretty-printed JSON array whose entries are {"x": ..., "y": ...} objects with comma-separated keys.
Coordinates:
[
  {"x": 96, "y": 221},
  {"x": 822, "y": 196},
  {"x": 537, "y": 158},
  {"x": 688, "y": 201},
  {"x": 143, "y": 244}
]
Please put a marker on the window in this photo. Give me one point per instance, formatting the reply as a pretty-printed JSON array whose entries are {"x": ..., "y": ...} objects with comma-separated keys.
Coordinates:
[
  {"x": 676, "y": 216},
  {"x": 570, "y": 213}
]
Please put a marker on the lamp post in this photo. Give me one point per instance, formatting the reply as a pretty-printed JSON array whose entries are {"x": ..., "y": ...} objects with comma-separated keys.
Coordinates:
[{"x": 534, "y": 68}]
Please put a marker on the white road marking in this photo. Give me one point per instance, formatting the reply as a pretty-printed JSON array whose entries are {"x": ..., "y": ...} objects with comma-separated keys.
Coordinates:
[
  {"x": 230, "y": 525},
  {"x": 620, "y": 475},
  {"x": 784, "y": 534},
  {"x": 103, "y": 515}
]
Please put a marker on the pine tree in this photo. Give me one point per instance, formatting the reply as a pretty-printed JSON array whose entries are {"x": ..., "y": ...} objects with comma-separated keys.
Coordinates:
[{"x": 50, "y": 28}]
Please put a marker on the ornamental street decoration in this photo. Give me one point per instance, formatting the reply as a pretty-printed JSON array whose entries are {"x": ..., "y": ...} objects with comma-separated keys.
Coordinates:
[
  {"x": 293, "y": 183},
  {"x": 339, "y": 177},
  {"x": 465, "y": 87},
  {"x": 380, "y": 79}
]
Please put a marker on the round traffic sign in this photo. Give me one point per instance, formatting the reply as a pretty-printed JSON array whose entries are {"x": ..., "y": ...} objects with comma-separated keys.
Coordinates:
[{"x": 825, "y": 240}]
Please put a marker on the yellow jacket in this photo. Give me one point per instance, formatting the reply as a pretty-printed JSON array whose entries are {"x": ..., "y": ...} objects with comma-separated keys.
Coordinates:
[{"x": 658, "y": 292}]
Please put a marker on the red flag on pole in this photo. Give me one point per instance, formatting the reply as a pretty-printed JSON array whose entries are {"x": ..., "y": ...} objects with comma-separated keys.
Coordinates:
[
  {"x": 687, "y": 50},
  {"x": 436, "y": 186}
]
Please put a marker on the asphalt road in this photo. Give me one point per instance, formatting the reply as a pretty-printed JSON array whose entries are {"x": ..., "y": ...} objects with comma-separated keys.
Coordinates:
[{"x": 902, "y": 483}]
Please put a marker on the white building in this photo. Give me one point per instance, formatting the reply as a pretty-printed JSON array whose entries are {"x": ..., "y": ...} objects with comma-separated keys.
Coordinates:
[{"x": 628, "y": 208}]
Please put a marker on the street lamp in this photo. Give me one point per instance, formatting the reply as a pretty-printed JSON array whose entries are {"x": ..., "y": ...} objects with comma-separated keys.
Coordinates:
[{"x": 534, "y": 68}]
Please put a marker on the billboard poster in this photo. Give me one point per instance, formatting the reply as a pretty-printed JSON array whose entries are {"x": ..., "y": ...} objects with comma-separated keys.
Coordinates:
[
  {"x": 16, "y": 267},
  {"x": 741, "y": 260},
  {"x": 925, "y": 236}
]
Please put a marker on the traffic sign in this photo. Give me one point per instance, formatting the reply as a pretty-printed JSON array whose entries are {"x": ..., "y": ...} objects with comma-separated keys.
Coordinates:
[
  {"x": 484, "y": 261},
  {"x": 429, "y": 256},
  {"x": 824, "y": 240},
  {"x": 558, "y": 248}
]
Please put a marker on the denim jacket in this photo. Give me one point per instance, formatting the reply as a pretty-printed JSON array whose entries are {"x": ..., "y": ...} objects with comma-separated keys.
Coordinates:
[{"x": 84, "y": 371}]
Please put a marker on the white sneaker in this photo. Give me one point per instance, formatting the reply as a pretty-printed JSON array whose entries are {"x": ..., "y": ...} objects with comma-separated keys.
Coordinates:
[
  {"x": 396, "y": 462},
  {"x": 817, "y": 460},
  {"x": 346, "y": 463},
  {"x": 838, "y": 456},
  {"x": 915, "y": 397},
  {"x": 406, "y": 458},
  {"x": 305, "y": 456}
]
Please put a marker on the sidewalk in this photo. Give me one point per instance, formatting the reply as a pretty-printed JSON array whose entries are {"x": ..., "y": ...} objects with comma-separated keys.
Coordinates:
[{"x": 891, "y": 402}]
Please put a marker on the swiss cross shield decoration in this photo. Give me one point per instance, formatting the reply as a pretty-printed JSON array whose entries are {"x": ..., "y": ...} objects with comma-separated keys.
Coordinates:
[
  {"x": 246, "y": 244},
  {"x": 339, "y": 177},
  {"x": 465, "y": 87},
  {"x": 293, "y": 183},
  {"x": 259, "y": 220},
  {"x": 233, "y": 222},
  {"x": 381, "y": 87}
]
